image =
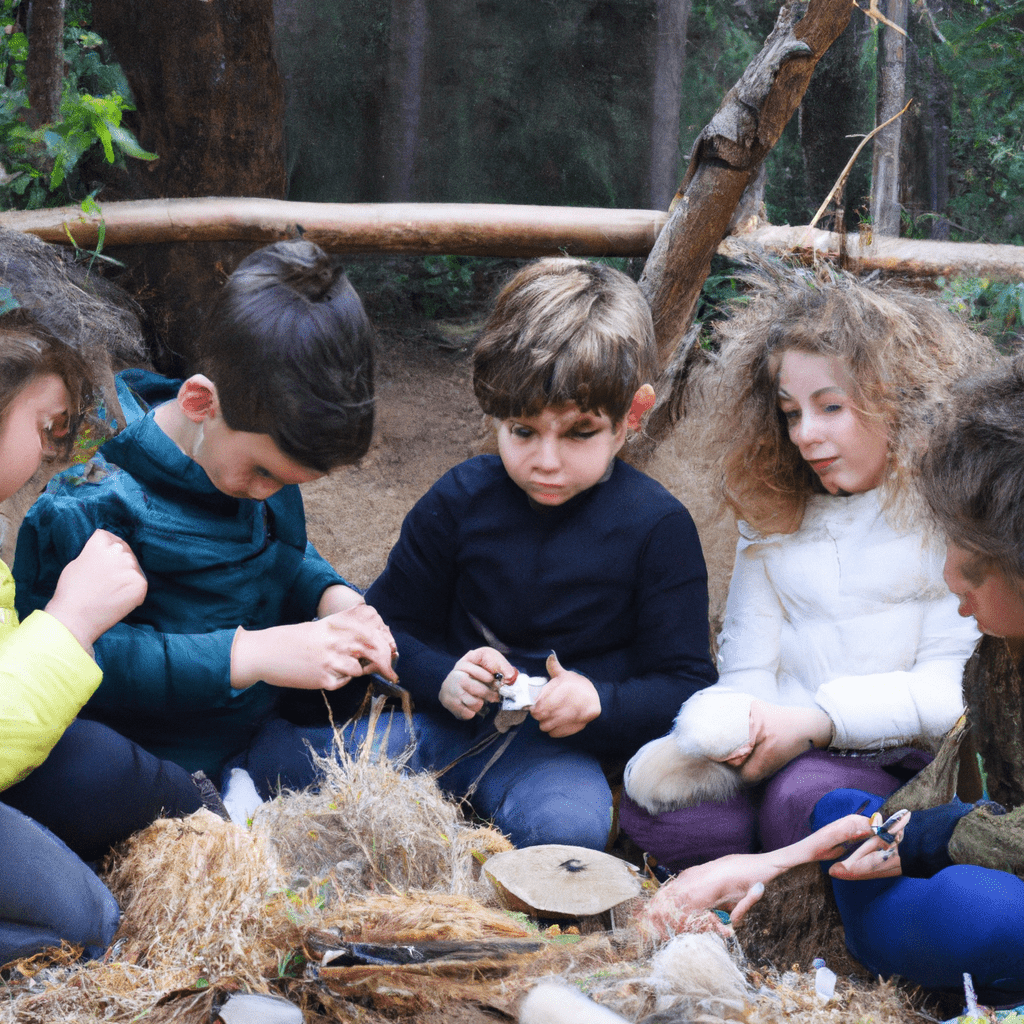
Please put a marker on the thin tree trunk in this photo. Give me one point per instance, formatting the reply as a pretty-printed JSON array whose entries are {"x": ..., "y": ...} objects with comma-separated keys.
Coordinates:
[
  {"x": 938, "y": 109},
  {"x": 726, "y": 158},
  {"x": 211, "y": 104},
  {"x": 408, "y": 43},
  {"x": 44, "y": 67},
  {"x": 832, "y": 110},
  {"x": 885, "y": 168},
  {"x": 669, "y": 65}
]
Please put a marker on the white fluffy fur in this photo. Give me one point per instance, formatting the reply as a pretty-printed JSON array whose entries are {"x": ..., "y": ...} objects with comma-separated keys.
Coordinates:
[
  {"x": 678, "y": 770},
  {"x": 552, "y": 1002},
  {"x": 697, "y": 969}
]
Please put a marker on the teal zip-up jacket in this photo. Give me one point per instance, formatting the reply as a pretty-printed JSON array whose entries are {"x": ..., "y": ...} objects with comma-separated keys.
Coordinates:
[{"x": 213, "y": 563}]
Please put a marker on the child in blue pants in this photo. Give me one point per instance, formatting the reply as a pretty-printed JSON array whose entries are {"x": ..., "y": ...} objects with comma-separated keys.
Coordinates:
[
  {"x": 554, "y": 559},
  {"x": 70, "y": 788}
]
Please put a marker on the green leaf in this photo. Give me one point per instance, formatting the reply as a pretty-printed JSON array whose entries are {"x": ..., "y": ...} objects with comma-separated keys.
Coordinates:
[{"x": 129, "y": 145}]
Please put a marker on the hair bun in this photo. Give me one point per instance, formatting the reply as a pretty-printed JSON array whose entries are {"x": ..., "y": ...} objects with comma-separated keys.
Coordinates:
[{"x": 316, "y": 279}]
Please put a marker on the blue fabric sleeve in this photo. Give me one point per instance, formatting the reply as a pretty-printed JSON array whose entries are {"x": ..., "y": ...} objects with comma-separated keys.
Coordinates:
[
  {"x": 671, "y": 648},
  {"x": 158, "y": 670},
  {"x": 414, "y": 594},
  {"x": 315, "y": 576}
]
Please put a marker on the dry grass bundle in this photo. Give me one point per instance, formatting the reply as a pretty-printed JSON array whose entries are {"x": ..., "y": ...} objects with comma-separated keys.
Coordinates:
[
  {"x": 420, "y": 917},
  {"x": 203, "y": 893},
  {"x": 371, "y": 825},
  {"x": 210, "y": 908}
]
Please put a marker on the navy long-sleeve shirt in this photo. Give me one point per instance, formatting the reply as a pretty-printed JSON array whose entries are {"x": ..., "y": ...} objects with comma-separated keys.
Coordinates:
[{"x": 613, "y": 581}]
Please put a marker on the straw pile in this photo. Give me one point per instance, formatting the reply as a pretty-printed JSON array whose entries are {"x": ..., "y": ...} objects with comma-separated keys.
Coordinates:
[{"x": 377, "y": 856}]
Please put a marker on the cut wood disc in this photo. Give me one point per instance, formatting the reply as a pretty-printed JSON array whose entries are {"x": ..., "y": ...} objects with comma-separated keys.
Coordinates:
[{"x": 561, "y": 881}]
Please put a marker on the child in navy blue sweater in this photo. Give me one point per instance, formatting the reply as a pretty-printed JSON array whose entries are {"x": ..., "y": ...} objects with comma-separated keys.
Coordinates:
[{"x": 553, "y": 559}]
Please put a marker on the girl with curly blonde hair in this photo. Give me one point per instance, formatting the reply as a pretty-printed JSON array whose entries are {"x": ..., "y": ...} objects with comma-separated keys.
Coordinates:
[{"x": 841, "y": 649}]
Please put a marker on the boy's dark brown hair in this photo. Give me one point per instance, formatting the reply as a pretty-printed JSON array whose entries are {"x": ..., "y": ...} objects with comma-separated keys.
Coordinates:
[
  {"x": 28, "y": 350},
  {"x": 290, "y": 349},
  {"x": 972, "y": 475},
  {"x": 565, "y": 330}
]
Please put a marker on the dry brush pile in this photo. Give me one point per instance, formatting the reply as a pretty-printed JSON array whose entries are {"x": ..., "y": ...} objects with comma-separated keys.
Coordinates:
[{"x": 375, "y": 858}]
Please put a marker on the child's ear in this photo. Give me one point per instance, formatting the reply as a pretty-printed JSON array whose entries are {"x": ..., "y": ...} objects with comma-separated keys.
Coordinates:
[
  {"x": 643, "y": 402},
  {"x": 197, "y": 398}
]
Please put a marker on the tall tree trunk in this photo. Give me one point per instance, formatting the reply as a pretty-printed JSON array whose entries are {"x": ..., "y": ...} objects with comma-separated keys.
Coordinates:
[
  {"x": 832, "y": 110},
  {"x": 211, "y": 105},
  {"x": 669, "y": 65},
  {"x": 885, "y": 168},
  {"x": 938, "y": 110},
  {"x": 44, "y": 67},
  {"x": 408, "y": 43}
]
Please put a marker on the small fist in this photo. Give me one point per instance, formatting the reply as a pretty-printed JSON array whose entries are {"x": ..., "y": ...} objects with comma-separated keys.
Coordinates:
[
  {"x": 472, "y": 682},
  {"x": 98, "y": 588}
]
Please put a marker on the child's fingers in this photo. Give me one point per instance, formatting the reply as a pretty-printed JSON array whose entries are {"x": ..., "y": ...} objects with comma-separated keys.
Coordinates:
[
  {"x": 753, "y": 894},
  {"x": 877, "y": 856}
]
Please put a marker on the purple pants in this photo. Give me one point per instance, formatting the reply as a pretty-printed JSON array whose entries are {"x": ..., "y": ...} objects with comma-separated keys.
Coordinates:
[{"x": 771, "y": 815}]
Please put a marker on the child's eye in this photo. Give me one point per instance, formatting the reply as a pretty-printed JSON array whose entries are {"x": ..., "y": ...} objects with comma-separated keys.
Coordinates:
[
  {"x": 833, "y": 407},
  {"x": 583, "y": 435},
  {"x": 518, "y": 430},
  {"x": 260, "y": 471},
  {"x": 790, "y": 415}
]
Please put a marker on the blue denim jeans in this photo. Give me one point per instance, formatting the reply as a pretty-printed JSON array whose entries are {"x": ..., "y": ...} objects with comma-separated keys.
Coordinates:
[
  {"x": 47, "y": 893},
  {"x": 540, "y": 790},
  {"x": 932, "y": 930}
]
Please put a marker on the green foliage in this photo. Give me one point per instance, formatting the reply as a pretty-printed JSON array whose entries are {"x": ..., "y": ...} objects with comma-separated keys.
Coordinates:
[
  {"x": 996, "y": 306},
  {"x": 982, "y": 60},
  {"x": 43, "y": 166},
  {"x": 721, "y": 287},
  {"x": 449, "y": 282}
]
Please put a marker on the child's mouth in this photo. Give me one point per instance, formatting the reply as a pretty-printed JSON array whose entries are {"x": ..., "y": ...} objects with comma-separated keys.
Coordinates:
[{"x": 821, "y": 465}]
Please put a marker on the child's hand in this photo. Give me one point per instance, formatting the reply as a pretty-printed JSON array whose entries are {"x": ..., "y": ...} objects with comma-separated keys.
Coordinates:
[
  {"x": 471, "y": 682},
  {"x": 878, "y": 857},
  {"x": 98, "y": 588},
  {"x": 777, "y": 735},
  {"x": 320, "y": 655},
  {"x": 567, "y": 702}
]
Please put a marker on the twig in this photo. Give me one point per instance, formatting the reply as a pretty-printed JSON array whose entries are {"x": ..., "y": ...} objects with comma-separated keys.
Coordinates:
[{"x": 841, "y": 180}]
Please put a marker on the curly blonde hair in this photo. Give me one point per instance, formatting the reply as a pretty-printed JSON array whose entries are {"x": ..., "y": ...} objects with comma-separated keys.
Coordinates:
[{"x": 902, "y": 350}]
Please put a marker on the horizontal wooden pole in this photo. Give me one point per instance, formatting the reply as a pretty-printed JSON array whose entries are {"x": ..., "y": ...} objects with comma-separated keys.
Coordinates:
[
  {"x": 479, "y": 229},
  {"x": 470, "y": 229},
  {"x": 917, "y": 257}
]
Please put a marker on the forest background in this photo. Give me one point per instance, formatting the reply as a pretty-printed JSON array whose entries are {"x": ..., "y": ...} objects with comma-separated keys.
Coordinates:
[{"x": 574, "y": 103}]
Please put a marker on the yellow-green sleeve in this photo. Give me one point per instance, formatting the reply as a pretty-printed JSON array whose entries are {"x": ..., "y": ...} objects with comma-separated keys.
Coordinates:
[{"x": 45, "y": 679}]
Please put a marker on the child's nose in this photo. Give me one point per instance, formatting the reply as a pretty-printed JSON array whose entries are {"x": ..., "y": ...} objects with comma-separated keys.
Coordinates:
[
  {"x": 548, "y": 456},
  {"x": 806, "y": 430}
]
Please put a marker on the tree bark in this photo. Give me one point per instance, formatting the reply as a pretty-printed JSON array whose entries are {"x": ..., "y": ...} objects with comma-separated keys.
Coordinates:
[
  {"x": 407, "y": 46},
  {"x": 885, "y": 168},
  {"x": 726, "y": 158},
  {"x": 44, "y": 67},
  {"x": 669, "y": 65},
  {"x": 211, "y": 105},
  {"x": 994, "y": 694}
]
